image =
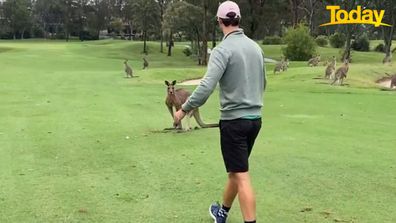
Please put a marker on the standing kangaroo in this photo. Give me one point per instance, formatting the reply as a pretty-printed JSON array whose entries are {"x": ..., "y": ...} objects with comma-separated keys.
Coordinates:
[
  {"x": 285, "y": 65},
  {"x": 279, "y": 66},
  {"x": 128, "y": 69},
  {"x": 341, "y": 73},
  {"x": 145, "y": 63},
  {"x": 330, "y": 69},
  {"x": 175, "y": 99}
]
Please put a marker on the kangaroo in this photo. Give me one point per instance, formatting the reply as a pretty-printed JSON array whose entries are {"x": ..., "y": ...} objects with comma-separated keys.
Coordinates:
[
  {"x": 314, "y": 61},
  {"x": 341, "y": 73},
  {"x": 279, "y": 66},
  {"x": 145, "y": 63},
  {"x": 128, "y": 69},
  {"x": 285, "y": 65},
  {"x": 176, "y": 98},
  {"x": 330, "y": 69},
  {"x": 393, "y": 82}
]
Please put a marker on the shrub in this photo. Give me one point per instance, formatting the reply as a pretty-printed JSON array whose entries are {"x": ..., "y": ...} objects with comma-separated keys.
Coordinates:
[
  {"x": 272, "y": 40},
  {"x": 187, "y": 51},
  {"x": 337, "y": 40},
  {"x": 362, "y": 43},
  {"x": 321, "y": 41},
  {"x": 300, "y": 45}
]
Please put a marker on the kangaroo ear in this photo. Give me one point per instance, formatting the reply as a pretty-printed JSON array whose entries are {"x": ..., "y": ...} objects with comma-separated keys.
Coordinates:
[
  {"x": 167, "y": 83},
  {"x": 174, "y": 82}
]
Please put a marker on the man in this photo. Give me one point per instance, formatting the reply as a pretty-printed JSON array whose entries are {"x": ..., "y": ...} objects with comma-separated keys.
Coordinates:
[{"x": 237, "y": 63}]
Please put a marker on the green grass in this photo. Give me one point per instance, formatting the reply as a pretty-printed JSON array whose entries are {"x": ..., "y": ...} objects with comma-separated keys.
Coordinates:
[{"x": 66, "y": 110}]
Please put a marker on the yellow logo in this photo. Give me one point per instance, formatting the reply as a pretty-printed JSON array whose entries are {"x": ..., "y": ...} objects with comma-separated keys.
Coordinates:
[{"x": 356, "y": 16}]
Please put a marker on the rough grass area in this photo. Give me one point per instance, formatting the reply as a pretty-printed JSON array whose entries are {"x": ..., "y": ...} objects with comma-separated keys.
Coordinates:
[{"x": 81, "y": 143}]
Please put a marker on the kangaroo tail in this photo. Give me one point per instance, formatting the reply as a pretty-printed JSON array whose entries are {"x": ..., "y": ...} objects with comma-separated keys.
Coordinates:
[{"x": 201, "y": 123}]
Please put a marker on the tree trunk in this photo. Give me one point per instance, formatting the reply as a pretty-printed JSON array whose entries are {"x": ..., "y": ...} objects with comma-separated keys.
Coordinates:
[
  {"x": 144, "y": 42},
  {"x": 199, "y": 50},
  {"x": 45, "y": 31},
  {"x": 347, "y": 52},
  {"x": 161, "y": 30},
  {"x": 170, "y": 44},
  {"x": 253, "y": 25},
  {"x": 311, "y": 14},
  {"x": 162, "y": 43},
  {"x": 214, "y": 35},
  {"x": 294, "y": 11},
  {"x": 388, "y": 34},
  {"x": 130, "y": 30},
  {"x": 204, "y": 35}
]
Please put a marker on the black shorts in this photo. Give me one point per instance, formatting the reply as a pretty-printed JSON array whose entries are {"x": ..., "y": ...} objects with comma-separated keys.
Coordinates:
[{"x": 237, "y": 138}]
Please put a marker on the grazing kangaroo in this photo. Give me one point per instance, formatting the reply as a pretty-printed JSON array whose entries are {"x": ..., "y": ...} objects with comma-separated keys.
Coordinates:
[
  {"x": 128, "y": 69},
  {"x": 393, "y": 81},
  {"x": 341, "y": 73},
  {"x": 175, "y": 99},
  {"x": 330, "y": 69},
  {"x": 145, "y": 63},
  {"x": 279, "y": 66},
  {"x": 314, "y": 61}
]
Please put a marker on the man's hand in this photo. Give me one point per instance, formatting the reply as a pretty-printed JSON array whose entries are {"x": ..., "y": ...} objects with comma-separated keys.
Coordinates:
[{"x": 179, "y": 115}]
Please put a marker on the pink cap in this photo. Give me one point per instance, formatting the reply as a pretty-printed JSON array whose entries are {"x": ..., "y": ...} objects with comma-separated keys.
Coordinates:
[{"x": 227, "y": 7}]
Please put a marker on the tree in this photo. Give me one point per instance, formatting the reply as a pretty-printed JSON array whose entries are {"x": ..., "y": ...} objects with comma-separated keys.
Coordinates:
[
  {"x": 47, "y": 14},
  {"x": 146, "y": 18},
  {"x": 98, "y": 14},
  {"x": 17, "y": 14},
  {"x": 309, "y": 7},
  {"x": 3, "y": 24},
  {"x": 388, "y": 32},
  {"x": 162, "y": 6},
  {"x": 300, "y": 44},
  {"x": 185, "y": 17}
]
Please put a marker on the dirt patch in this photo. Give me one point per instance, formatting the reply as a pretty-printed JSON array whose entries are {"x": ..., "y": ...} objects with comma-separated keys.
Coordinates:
[{"x": 191, "y": 82}]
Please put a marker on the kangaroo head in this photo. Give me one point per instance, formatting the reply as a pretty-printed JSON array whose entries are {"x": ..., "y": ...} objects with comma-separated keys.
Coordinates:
[
  {"x": 171, "y": 87},
  {"x": 126, "y": 61}
]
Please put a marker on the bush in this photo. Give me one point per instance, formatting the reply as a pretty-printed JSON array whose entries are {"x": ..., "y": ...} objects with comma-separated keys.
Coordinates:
[
  {"x": 362, "y": 43},
  {"x": 272, "y": 40},
  {"x": 321, "y": 41},
  {"x": 187, "y": 51},
  {"x": 300, "y": 45},
  {"x": 380, "y": 48},
  {"x": 337, "y": 40}
]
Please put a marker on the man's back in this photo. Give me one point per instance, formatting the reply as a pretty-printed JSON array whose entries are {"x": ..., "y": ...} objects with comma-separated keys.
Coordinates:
[{"x": 242, "y": 84}]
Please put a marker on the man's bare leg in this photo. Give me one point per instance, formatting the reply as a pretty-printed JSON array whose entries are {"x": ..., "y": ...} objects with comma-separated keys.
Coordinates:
[
  {"x": 230, "y": 191},
  {"x": 247, "y": 200}
]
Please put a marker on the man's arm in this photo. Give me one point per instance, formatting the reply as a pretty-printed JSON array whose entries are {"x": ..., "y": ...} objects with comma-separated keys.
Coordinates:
[
  {"x": 264, "y": 70},
  {"x": 216, "y": 67}
]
